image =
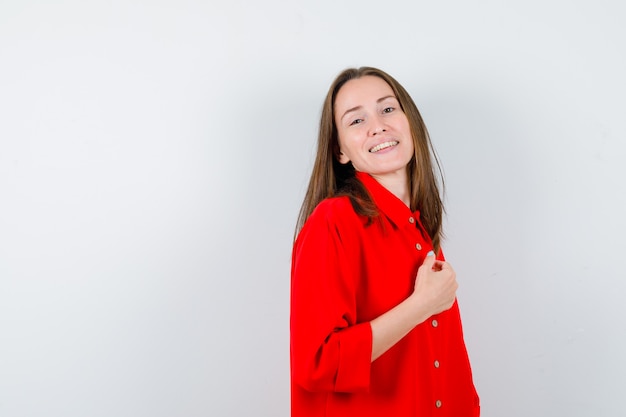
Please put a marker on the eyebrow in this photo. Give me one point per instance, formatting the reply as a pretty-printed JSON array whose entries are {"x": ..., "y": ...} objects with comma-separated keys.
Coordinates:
[{"x": 359, "y": 107}]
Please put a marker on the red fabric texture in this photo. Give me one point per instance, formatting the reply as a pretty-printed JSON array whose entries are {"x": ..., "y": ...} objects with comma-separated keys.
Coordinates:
[{"x": 346, "y": 272}]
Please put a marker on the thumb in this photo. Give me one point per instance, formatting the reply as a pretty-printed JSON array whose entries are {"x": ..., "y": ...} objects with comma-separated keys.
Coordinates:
[{"x": 430, "y": 259}]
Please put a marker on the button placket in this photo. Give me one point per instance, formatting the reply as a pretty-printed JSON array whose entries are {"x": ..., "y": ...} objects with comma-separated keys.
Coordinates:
[{"x": 436, "y": 364}]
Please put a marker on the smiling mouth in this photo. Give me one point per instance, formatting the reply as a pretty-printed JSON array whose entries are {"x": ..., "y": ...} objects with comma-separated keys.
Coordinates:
[{"x": 383, "y": 145}]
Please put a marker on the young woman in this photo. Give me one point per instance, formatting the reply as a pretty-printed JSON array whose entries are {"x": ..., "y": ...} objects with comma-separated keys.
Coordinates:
[{"x": 375, "y": 327}]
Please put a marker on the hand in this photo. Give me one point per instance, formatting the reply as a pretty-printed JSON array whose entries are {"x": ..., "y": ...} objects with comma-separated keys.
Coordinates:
[{"x": 435, "y": 286}]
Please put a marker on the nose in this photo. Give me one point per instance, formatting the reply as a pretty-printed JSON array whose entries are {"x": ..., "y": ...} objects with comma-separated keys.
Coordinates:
[{"x": 377, "y": 126}]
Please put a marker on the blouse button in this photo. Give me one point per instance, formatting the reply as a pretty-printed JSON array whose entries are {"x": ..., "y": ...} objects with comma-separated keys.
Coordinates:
[
  {"x": 438, "y": 403},
  {"x": 436, "y": 364},
  {"x": 411, "y": 220},
  {"x": 418, "y": 246},
  {"x": 435, "y": 323}
]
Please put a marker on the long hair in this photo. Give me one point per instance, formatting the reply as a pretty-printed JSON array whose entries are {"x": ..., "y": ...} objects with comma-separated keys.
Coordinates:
[{"x": 330, "y": 178}]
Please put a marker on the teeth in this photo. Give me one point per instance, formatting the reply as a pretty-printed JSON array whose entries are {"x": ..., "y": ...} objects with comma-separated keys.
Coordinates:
[{"x": 383, "y": 145}]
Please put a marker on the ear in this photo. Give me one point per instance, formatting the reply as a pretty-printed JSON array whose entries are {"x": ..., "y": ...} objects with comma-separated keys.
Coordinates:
[{"x": 343, "y": 158}]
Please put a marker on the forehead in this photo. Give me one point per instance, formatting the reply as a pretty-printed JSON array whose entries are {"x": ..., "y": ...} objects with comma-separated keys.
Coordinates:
[{"x": 361, "y": 92}]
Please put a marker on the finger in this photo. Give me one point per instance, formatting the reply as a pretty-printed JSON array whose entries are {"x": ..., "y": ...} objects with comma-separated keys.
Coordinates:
[
  {"x": 438, "y": 265},
  {"x": 444, "y": 265}
]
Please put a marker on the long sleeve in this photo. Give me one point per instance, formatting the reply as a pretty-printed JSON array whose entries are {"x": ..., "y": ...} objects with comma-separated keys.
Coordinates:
[{"x": 330, "y": 351}]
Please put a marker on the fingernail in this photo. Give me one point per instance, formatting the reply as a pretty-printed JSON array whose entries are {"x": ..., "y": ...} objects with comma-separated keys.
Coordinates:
[{"x": 430, "y": 253}]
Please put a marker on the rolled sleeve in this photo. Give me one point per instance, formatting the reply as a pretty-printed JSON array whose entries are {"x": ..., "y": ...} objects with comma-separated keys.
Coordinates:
[{"x": 355, "y": 359}]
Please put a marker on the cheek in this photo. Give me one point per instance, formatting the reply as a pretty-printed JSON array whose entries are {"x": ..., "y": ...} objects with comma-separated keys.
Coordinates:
[
  {"x": 345, "y": 141},
  {"x": 406, "y": 125},
  {"x": 407, "y": 132}
]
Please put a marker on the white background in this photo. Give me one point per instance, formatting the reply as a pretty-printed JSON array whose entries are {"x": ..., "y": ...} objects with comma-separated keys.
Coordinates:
[{"x": 154, "y": 155}]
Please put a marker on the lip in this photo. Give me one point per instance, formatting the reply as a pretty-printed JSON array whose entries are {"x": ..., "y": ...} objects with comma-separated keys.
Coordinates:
[{"x": 384, "y": 145}]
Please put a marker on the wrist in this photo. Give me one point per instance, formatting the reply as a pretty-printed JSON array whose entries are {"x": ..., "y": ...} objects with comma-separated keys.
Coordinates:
[{"x": 418, "y": 308}]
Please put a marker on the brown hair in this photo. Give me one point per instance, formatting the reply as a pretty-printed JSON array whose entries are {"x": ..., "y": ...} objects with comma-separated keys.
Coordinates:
[{"x": 331, "y": 178}]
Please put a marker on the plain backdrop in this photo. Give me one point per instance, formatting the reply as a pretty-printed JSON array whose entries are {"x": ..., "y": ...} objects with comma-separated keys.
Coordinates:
[{"x": 154, "y": 155}]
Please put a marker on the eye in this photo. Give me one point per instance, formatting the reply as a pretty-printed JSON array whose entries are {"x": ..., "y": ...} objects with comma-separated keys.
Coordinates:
[
  {"x": 388, "y": 109},
  {"x": 356, "y": 122}
]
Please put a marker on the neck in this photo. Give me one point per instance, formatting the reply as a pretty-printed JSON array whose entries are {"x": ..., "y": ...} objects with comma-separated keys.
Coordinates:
[{"x": 397, "y": 184}]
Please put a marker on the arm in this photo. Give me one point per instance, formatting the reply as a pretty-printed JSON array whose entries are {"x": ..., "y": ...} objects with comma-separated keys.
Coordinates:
[
  {"x": 434, "y": 292},
  {"x": 330, "y": 350}
]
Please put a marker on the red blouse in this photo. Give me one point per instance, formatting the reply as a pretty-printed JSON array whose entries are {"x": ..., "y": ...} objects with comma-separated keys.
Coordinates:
[{"x": 344, "y": 274}]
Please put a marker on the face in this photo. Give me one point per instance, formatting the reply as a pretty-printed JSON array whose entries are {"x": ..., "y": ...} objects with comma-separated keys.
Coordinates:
[{"x": 374, "y": 132}]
